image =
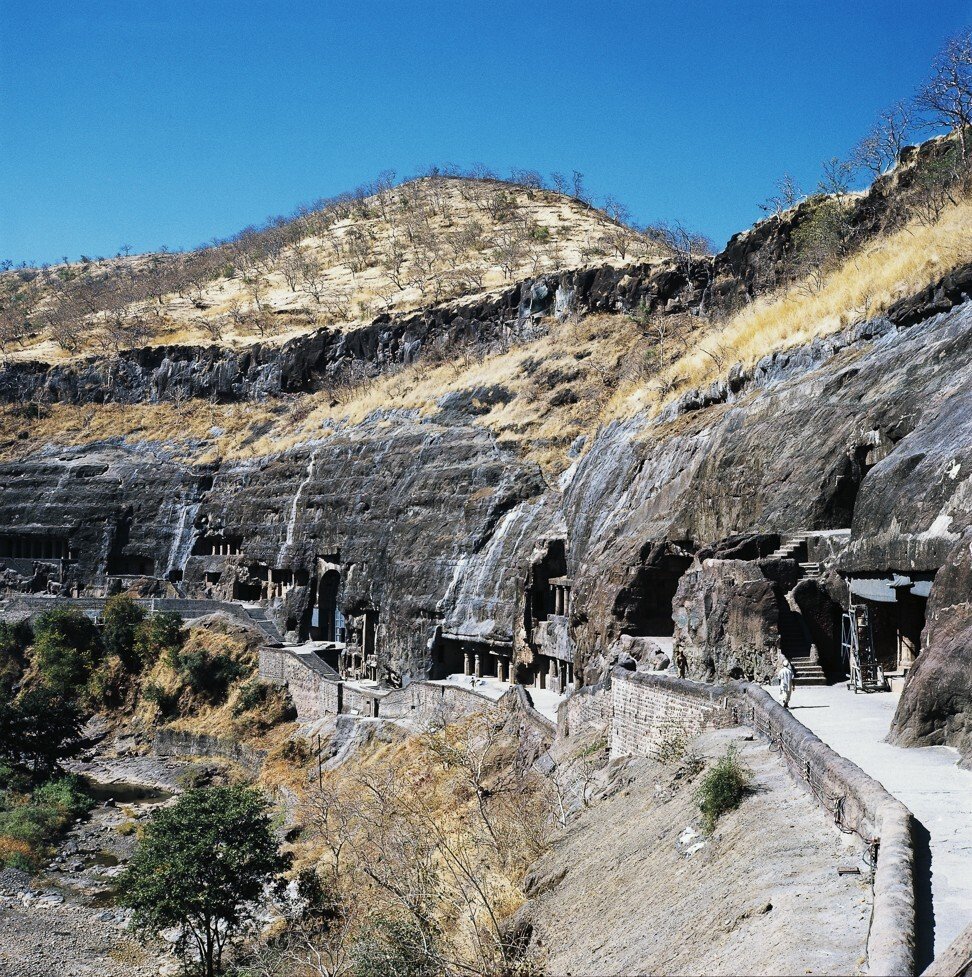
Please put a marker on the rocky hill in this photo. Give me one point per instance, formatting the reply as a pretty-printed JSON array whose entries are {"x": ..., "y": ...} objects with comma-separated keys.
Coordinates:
[
  {"x": 385, "y": 249},
  {"x": 684, "y": 451}
]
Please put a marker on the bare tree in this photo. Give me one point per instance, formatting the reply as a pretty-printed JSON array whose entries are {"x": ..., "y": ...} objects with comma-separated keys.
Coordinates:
[
  {"x": 836, "y": 178},
  {"x": 788, "y": 194},
  {"x": 947, "y": 95},
  {"x": 880, "y": 148}
]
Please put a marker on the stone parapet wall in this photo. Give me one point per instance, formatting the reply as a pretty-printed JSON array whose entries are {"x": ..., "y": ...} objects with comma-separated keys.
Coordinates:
[
  {"x": 315, "y": 696},
  {"x": 310, "y": 692},
  {"x": 860, "y": 804}
]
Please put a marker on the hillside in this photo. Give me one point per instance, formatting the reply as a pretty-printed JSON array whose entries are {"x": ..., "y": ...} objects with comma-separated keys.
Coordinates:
[{"x": 387, "y": 249}]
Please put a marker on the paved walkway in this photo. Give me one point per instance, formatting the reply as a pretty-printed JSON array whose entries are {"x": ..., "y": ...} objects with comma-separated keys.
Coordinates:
[
  {"x": 927, "y": 780},
  {"x": 545, "y": 701}
]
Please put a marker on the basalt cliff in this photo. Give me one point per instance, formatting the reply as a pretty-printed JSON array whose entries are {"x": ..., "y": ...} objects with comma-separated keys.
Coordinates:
[{"x": 717, "y": 526}]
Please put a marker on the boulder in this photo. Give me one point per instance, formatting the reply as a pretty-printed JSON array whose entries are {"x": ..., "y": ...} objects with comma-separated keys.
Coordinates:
[
  {"x": 936, "y": 704},
  {"x": 726, "y": 622}
]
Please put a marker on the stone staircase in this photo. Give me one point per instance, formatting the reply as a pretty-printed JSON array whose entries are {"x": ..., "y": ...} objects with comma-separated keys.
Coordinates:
[
  {"x": 808, "y": 672},
  {"x": 258, "y": 616},
  {"x": 794, "y": 638}
]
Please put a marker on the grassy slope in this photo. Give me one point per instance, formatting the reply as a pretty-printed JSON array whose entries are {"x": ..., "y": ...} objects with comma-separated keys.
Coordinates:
[{"x": 553, "y": 389}]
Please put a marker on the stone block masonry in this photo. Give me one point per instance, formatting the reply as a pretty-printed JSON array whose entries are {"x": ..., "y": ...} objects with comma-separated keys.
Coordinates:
[{"x": 649, "y": 711}]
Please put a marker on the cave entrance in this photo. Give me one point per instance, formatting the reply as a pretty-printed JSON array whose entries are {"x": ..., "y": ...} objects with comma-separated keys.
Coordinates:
[
  {"x": 548, "y": 672},
  {"x": 327, "y": 621},
  {"x": 547, "y": 585},
  {"x": 647, "y": 604},
  {"x": 453, "y": 656},
  {"x": 896, "y": 609}
]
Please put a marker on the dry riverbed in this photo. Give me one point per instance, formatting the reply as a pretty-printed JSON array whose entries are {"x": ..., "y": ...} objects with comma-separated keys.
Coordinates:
[{"x": 63, "y": 922}]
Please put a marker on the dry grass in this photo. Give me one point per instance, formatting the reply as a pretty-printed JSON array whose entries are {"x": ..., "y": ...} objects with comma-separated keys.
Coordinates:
[
  {"x": 398, "y": 801},
  {"x": 885, "y": 270},
  {"x": 537, "y": 397},
  {"x": 551, "y": 391},
  {"x": 420, "y": 222}
]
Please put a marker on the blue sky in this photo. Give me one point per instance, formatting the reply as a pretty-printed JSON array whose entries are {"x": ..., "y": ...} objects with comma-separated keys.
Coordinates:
[{"x": 174, "y": 121}]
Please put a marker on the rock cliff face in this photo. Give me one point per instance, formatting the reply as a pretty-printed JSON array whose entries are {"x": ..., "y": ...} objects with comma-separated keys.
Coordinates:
[
  {"x": 936, "y": 705},
  {"x": 426, "y": 535},
  {"x": 326, "y": 356}
]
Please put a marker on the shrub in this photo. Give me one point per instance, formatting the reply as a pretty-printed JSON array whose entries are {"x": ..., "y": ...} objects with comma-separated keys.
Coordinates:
[
  {"x": 722, "y": 789},
  {"x": 28, "y": 826},
  {"x": 14, "y": 639},
  {"x": 203, "y": 865},
  {"x": 395, "y": 946},
  {"x": 163, "y": 700},
  {"x": 158, "y": 635},
  {"x": 67, "y": 649},
  {"x": 268, "y": 704},
  {"x": 120, "y": 623},
  {"x": 38, "y": 729},
  {"x": 251, "y": 696},
  {"x": 209, "y": 674}
]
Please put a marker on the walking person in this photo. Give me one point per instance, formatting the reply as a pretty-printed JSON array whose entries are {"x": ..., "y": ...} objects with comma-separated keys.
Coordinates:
[{"x": 787, "y": 678}]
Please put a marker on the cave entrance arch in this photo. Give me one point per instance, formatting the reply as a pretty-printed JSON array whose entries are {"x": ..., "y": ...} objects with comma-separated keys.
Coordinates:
[
  {"x": 542, "y": 593},
  {"x": 327, "y": 621}
]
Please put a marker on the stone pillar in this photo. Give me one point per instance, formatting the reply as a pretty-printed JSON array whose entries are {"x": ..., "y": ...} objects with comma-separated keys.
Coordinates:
[
  {"x": 499, "y": 669},
  {"x": 465, "y": 663},
  {"x": 477, "y": 669}
]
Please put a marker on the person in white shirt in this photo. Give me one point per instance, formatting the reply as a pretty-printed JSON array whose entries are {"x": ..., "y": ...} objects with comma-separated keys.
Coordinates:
[{"x": 787, "y": 678}]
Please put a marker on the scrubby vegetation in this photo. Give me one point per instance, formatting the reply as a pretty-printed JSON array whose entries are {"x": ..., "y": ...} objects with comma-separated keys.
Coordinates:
[
  {"x": 722, "y": 789},
  {"x": 385, "y": 247},
  {"x": 32, "y": 819},
  {"x": 410, "y": 857},
  {"x": 56, "y": 673}
]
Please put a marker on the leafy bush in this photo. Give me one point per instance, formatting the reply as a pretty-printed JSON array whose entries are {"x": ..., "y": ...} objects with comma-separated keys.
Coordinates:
[
  {"x": 163, "y": 700},
  {"x": 30, "y": 824},
  {"x": 160, "y": 634},
  {"x": 268, "y": 704},
  {"x": 723, "y": 788},
  {"x": 14, "y": 640},
  {"x": 38, "y": 729},
  {"x": 209, "y": 674},
  {"x": 252, "y": 695},
  {"x": 67, "y": 649},
  {"x": 203, "y": 865},
  {"x": 395, "y": 946},
  {"x": 121, "y": 619}
]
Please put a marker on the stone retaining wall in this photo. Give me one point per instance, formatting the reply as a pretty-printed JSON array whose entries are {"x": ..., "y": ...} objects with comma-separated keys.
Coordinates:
[
  {"x": 171, "y": 742},
  {"x": 649, "y": 710},
  {"x": 316, "y": 695},
  {"x": 587, "y": 707},
  {"x": 858, "y": 803}
]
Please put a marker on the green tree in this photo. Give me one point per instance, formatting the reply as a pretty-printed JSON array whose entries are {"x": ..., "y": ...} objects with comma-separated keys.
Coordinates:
[
  {"x": 14, "y": 639},
  {"x": 203, "y": 866},
  {"x": 38, "y": 729},
  {"x": 67, "y": 649},
  {"x": 121, "y": 618}
]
